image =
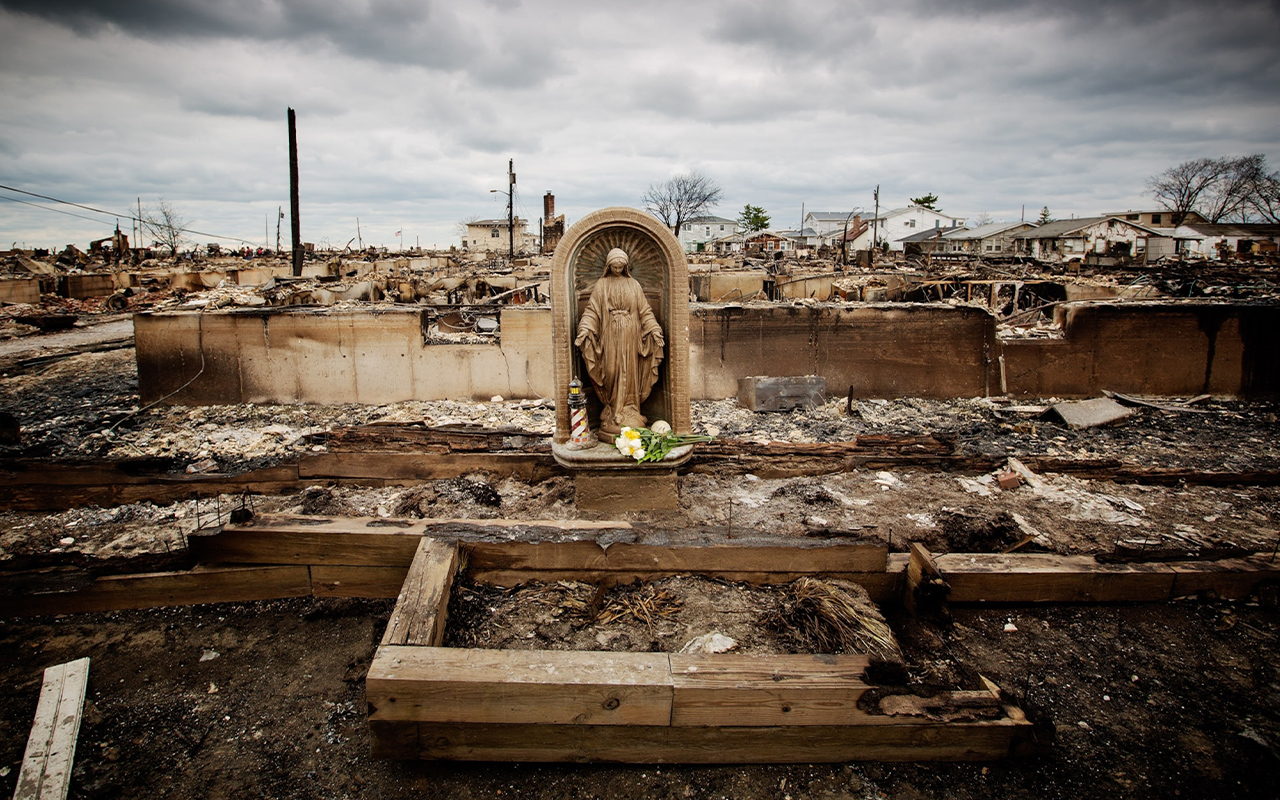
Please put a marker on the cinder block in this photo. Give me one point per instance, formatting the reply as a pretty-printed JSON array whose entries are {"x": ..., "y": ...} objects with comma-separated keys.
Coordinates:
[{"x": 760, "y": 393}]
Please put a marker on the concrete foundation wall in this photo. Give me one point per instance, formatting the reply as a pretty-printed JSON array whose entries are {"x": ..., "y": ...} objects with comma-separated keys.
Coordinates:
[
  {"x": 893, "y": 350},
  {"x": 1176, "y": 349},
  {"x": 20, "y": 290},
  {"x": 334, "y": 357},
  {"x": 899, "y": 350}
]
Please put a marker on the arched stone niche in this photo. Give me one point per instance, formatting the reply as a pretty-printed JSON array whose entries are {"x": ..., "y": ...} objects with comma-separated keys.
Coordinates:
[{"x": 658, "y": 263}]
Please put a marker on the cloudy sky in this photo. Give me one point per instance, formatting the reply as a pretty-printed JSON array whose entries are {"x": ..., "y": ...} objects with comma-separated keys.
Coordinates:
[{"x": 408, "y": 110}]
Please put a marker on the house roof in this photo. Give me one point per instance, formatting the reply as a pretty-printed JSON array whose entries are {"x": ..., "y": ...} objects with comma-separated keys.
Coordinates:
[
  {"x": 711, "y": 220},
  {"x": 830, "y": 216},
  {"x": 1063, "y": 227},
  {"x": 897, "y": 212},
  {"x": 929, "y": 234},
  {"x": 1240, "y": 229},
  {"x": 805, "y": 232},
  {"x": 854, "y": 232},
  {"x": 492, "y": 223},
  {"x": 984, "y": 231}
]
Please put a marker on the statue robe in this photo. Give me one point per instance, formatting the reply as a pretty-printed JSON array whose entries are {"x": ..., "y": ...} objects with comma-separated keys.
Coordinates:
[{"x": 621, "y": 343}]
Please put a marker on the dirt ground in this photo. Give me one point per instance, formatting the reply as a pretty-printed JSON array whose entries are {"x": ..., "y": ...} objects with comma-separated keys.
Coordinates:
[{"x": 266, "y": 699}]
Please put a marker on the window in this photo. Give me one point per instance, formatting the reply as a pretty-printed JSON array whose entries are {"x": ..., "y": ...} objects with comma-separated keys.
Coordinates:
[
  {"x": 911, "y": 223},
  {"x": 990, "y": 247},
  {"x": 721, "y": 227},
  {"x": 1131, "y": 216},
  {"x": 1156, "y": 218},
  {"x": 493, "y": 233}
]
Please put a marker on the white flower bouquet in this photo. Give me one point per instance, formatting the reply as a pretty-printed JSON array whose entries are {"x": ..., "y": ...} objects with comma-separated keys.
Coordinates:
[{"x": 654, "y": 443}]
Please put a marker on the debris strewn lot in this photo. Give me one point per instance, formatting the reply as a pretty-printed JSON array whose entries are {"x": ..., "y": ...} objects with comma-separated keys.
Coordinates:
[{"x": 1155, "y": 701}]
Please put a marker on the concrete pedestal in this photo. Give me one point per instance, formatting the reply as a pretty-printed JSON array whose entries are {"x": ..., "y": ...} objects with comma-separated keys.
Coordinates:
[{"x": 606, "y": 480}]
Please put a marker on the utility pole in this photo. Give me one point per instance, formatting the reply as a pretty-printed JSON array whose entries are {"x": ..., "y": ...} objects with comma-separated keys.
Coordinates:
[
  {"x": 279, "y": 216},
  {"x": 293, "y": 195},
  {"x": 359, "y": 241},
  {"x": 511, "y": 205},
  {"x": 875, "y": 223}
]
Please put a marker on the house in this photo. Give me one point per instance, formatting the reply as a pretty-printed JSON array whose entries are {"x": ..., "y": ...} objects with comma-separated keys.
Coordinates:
[
  {"x": 493, "y": 235},
  {"x": 805, "y": 238},
  {"x": 828, "y": 223},
  {"x": 858, "y": 237},
  {"x": 932, "y": 241},
  {"x": 893, "y": 226},
  {"x": 1224, "y": 240},
  {"x": 697, "y": 233},
  {"x": 992, "y": 240},
  {"x": 1074, "y": 239},
  {"x": 767, "y": 242},
  {"x": 1159, "y": 218}
]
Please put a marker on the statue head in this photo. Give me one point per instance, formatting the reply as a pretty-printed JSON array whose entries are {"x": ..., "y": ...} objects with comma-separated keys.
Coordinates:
[{"x": 617, "y": 261}]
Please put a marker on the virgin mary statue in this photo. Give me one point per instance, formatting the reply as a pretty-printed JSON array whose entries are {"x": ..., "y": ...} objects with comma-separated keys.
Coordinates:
[{"x": 621, "y": 343}]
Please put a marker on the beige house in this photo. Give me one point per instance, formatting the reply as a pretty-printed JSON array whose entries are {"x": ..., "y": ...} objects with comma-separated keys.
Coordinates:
[{"x": 492, "y": 235}]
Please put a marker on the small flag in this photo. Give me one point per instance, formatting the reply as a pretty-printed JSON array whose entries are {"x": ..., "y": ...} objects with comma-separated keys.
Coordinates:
[{"x": 399, "y": 232}]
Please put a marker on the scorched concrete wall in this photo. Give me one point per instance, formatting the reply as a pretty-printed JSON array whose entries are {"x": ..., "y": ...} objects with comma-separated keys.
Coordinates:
[
  {"x": 891, "y": 350},
  {"x": 379, "y": 356},
  {"x": 309, "y": 356}
]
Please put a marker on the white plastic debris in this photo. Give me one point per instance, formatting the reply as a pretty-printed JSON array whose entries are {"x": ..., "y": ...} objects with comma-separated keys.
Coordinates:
[
  {"x": 209, "y": 655},
  {"x": 1009, "y": 627},
  {"x": 714, "y": 642},
  {"x": 67, "y": 540}
]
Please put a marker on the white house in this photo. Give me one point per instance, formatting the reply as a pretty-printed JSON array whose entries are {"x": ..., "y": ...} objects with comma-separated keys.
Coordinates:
[
  {"x": 697, "y": 233},
  {"x": 492, "y": 235},
  {"x": 829, "y": 224},
  {"x": 892, "y": 226},
  {"x": 1224, "y": 240}
]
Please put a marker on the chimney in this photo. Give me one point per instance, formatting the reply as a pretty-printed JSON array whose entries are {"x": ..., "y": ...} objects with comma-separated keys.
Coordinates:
[{"x": 548, "y": 206}]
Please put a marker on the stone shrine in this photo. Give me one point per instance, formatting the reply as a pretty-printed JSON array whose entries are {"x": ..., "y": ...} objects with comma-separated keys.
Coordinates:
[{"x": 620, "y": 326}]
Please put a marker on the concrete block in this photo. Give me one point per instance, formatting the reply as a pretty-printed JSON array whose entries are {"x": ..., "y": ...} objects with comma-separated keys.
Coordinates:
[
  {"x": 624, "y": 490},
  {"x": 1091, "y": 413},
  {"x": 760, "y": 393}
]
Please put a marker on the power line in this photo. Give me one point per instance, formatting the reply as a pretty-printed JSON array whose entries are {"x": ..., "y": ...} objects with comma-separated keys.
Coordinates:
[
  {"x": 46, "y": 208},
  {"x": 101, "y": 211},
  {"x": 66, "y": 202}
]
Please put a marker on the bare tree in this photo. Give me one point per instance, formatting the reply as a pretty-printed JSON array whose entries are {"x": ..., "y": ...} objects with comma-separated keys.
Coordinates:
[
  {"x": 983, "y": 218},
  {"x": 681, "y": 198},
  {"x": 1264, "y": 199},
  {"x": 1228, "y": 198},
  {"x": 166, "y": 226},
  {"x": 1181, "y": 189}
]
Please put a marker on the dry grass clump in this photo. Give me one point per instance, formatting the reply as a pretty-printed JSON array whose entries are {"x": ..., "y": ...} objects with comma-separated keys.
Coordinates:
[{"x": 838, "y": 617}]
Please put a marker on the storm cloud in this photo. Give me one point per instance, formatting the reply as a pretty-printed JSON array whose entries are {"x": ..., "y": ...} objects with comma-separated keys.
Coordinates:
[{"x": 409, "y": 110}]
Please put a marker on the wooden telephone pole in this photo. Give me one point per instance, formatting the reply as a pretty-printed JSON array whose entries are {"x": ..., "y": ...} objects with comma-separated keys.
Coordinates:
[
  {"x": 511, "y": 205},
  {"x": 293, "y": 194}
]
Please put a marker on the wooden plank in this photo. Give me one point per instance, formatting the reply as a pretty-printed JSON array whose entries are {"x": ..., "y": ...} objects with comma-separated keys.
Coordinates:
[
  {"x": 744, "y": 690},
  {"x": 920, "y": 568},
  {"x": 641, "y": 558},
  {"x": 1232, "y": 578},
  {"x": 799, "y": 744},
  {"x": 340, "y": 581},
  {"x": 364, "y": 541},
  {"x": 531, "y": 467},
  {"x": 51, "y": 747},
  {"x": 881, "y": 586},
  {"x": 1036, "y": 578},
  {"x": 310, "y": 540},
  {"x": 147, "y": 590},
  {"x": 444, "y": 684},
  {"x": 422, "y": 608}
]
